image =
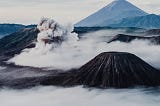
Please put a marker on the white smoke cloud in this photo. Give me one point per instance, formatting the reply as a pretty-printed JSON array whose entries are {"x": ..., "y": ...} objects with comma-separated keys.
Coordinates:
[
  {"x": 78, "y": 96},
  {"x": 73, "y": 53}
]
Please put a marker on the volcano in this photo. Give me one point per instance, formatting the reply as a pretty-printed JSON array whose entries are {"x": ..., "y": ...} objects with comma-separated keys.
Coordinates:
[
  {"x": 130, "y": 38},
  {"x": 15, "y": 42},
  {"x": 107, "y": 70},
  {"x": 113, "y": 12},
  {"x": 153, "y": 32},
  {"x": 110, "y": 69}
]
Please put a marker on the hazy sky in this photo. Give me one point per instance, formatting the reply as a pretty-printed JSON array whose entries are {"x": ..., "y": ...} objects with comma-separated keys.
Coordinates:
[{"x": 30, "y": 11}]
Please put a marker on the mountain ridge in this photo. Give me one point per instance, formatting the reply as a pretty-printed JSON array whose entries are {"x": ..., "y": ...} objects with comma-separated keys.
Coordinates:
[
  {"x": 151, "y": 21},
  {"x": 114, "y": 11},
  {"x": 6, "y": 28}
]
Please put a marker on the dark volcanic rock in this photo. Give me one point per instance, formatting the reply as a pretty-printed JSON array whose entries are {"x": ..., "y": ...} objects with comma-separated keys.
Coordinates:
[
  {"x": 129, "y": 38},
  {"x": 153, "y": 32},
  {"x": 14, "y": 43},
  {"x": 25, "y": 38},
  {"x": 20, "y": 77},
  {"x": 110, "y": 69}
]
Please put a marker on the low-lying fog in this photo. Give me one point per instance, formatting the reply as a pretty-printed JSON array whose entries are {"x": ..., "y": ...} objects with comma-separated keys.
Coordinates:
[
  {"x": 78, "y": 96},
  {"x": 73, "y": 53}
]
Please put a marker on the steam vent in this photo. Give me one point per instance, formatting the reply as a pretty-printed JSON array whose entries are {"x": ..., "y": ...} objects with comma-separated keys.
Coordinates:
[{"x": 111, "y": 69}]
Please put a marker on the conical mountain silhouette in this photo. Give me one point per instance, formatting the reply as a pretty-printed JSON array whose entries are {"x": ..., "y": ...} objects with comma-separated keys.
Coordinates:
[
  {"x": 110, "y": 69},
  {"x": 111, "y": 13}
]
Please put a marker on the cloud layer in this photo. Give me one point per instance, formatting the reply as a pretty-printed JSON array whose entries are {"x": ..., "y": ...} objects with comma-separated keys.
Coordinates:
[
  {"x": 73, "y": 54},
  {"x": 78, "y": 96},
  {"x": 19, "y": 11}
]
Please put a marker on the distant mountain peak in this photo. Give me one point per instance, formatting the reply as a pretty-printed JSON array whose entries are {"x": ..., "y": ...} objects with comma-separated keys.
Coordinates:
[
  {"x": 116, "y": 10},
  {"x": 150, "y": 21}
]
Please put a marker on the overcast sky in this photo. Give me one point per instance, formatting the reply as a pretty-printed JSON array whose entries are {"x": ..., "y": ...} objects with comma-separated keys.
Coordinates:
[{"x": 30, "y": 11}]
